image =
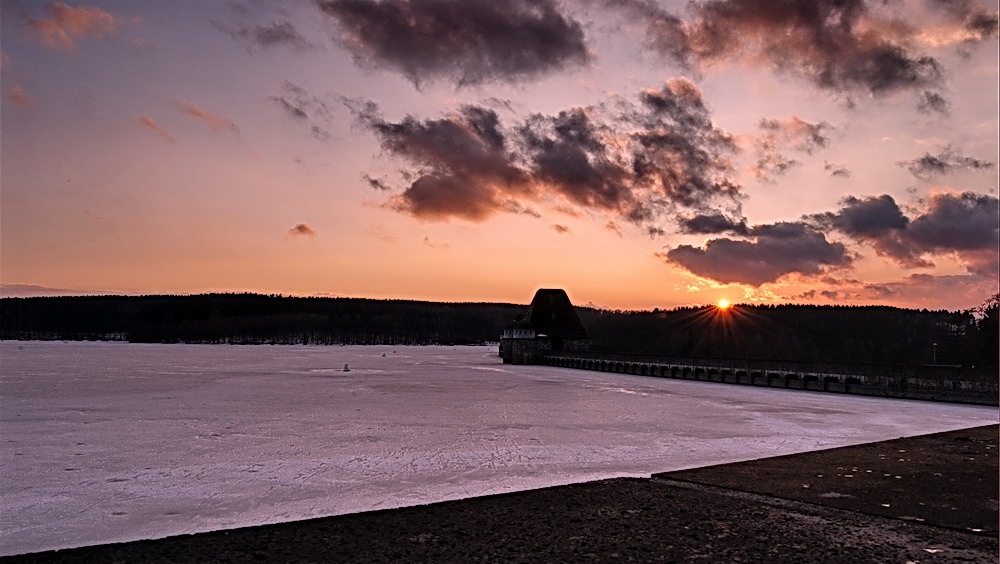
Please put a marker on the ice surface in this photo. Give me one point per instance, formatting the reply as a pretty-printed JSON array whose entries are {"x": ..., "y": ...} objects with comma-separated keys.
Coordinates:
[{"x": 109, "y": 442}]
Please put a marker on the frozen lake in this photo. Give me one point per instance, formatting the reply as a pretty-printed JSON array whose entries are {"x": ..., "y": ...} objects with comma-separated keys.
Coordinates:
[{"x": 107, "y": 442}]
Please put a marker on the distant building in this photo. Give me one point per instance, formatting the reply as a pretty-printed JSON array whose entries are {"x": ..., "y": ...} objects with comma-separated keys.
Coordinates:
[{"x": 551, "y": 324}]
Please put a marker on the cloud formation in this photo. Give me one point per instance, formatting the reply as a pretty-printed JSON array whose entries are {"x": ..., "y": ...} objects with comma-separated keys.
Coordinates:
[
  {"x": 712, "y": 223},
  {"x": 300, "y": 105},
  {"x": 839, "y": 171},
  {"x": 932, "y": 103},
  {"x": 463, "y": 42},
  {"x": 795, "y": 133},
  {"x": 150, "y": 123},
  {"x": 774, "y": 250},
  {"x": 66, "y": 25},
  {"x": 914, "y": 290},
  {"x": 778, "y": 136},
  {"x": 966, "y": 21},
  {"x": 273, "y": 34},
  {"x": 213, "y": 121},
  {"x": 300, "y": 230},
  {"x": 964, "y": 224},
  {"x": 461, "y": 165},
  {"x": 948, "y": 160},
  {"x": 661, "y": 154},
  {"x": 844, "y": 46},
  {"x": 17, "y": 96}
]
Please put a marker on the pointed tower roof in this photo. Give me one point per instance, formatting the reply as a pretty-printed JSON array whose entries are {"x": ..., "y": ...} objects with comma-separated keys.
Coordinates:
[{"x": 552, "y": 314}]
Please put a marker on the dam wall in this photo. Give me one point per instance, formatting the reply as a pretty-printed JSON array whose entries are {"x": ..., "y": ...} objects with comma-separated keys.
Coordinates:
[{"x": 957, "y": 384}]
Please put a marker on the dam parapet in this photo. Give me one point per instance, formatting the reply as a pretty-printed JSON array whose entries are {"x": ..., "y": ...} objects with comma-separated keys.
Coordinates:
[{"x": 958, "y": 384}]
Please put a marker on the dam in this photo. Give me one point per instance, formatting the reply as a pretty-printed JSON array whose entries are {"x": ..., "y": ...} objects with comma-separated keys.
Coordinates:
[
  {"x": 550, "y": 333},
  {"x": 937, "y": 383}
]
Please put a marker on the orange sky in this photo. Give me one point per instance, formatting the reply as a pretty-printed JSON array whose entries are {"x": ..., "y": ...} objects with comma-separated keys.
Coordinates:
[{"x": 479, "y": 151}]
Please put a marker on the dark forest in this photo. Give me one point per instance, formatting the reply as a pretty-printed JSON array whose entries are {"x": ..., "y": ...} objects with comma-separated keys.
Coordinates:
[{"x": 869, "y": 334}]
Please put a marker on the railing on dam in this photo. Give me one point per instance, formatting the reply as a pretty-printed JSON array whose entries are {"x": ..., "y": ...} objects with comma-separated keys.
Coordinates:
[{"x": 938, "y": 383}]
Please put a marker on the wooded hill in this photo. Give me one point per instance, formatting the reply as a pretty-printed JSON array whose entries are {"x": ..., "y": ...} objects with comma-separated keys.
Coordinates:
[{"x": 872, "y": 334}]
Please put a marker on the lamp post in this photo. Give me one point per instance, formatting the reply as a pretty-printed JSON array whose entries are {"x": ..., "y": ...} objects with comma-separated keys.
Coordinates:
[{"x": 934, "y": 357}]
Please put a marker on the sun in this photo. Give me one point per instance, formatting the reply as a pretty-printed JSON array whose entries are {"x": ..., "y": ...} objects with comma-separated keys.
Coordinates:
[{"x": 723, "y": 304}]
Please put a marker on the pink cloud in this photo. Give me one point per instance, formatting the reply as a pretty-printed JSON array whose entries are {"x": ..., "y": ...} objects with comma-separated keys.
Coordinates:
[
  {"x": 151, "y": 124},
  {"x": 67, "y": 24},
  {"x": 214, "y": 122},
  {"x": 17, "y": 96}
]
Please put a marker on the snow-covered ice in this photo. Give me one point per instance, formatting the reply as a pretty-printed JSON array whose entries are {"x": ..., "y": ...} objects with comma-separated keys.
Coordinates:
[{"x": 110, "y": 442}]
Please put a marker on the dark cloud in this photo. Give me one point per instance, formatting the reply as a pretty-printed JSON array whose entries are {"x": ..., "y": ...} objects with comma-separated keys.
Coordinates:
[
  {"x": 272, "y": 34},
  {"x": 663, "y": 153},
  {"x": 301, "y": 230},
  {"x": 712, "y": 224},
  {"x": 299, "y": 104},
  {"x": 441, "y": 196},
  {"x": 770, "y": 165},
  {"x": 948, "y": 160},
  {"x": 983, "y": 24},
  {"x": 978, "y": 21},
  {"x": 961, "y": 223},
  {"x": 654, "y": 231},
  {"x": 461, "y": 167},
  {"x": 839, "y": 171},
  {"x": 965, "y": 223},
  {"x": 774, "y": 251},
  {"x": 932, "y": 103},
  {"x": 845, "y": 46},
  {"x": 567, "y": 152},
  {"x": 878, "y": 221},
  {"x": 678, "y": 152},
  {"x": 870, "y": 217},
  {"x": 464, "y": 42},
  {"x": 561, "y": 229},
  {"x": 377, "y": 183},
  {"x": 290, "y": 108}
]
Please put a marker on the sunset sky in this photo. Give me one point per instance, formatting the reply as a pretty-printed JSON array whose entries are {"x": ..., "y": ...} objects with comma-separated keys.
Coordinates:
[{"x": 636, "y": 153}]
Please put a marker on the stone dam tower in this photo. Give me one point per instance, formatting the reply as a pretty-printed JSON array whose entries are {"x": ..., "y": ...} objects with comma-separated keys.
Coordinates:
[{"x": 551, "y": 324}]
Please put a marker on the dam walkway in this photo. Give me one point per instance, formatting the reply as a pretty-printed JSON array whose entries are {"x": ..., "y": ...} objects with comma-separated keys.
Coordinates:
[{"x": 956, "y": 384}]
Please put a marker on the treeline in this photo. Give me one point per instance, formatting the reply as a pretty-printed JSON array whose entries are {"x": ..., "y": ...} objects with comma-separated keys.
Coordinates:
[
  {"x": 252, "y": 319},
  {"x": 873, "y": 334},
  {"x": 870, "y": 334}
]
